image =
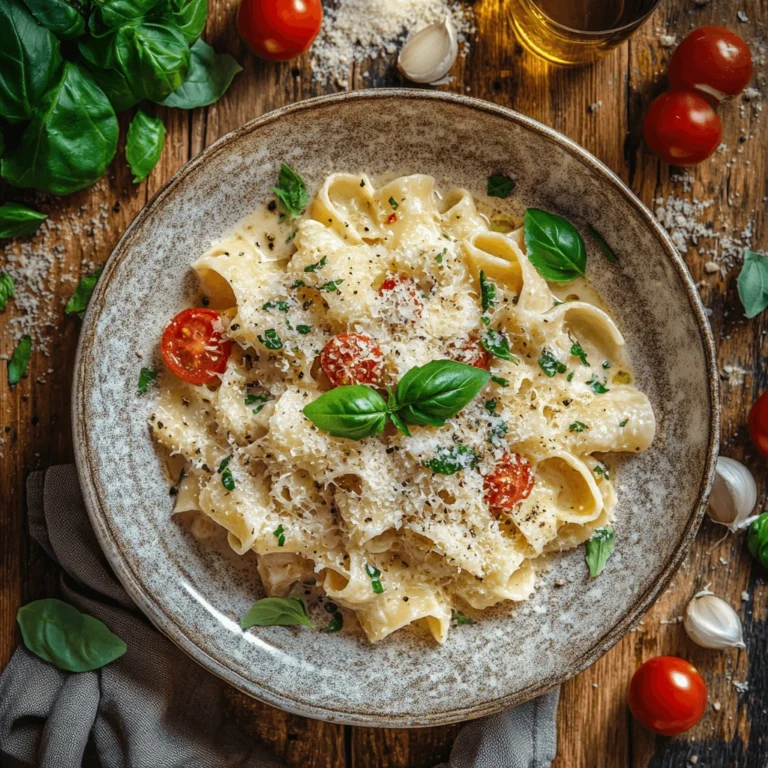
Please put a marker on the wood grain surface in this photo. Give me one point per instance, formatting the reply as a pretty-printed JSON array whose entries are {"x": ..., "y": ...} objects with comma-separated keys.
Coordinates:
[{"x": 595, "y": 729}]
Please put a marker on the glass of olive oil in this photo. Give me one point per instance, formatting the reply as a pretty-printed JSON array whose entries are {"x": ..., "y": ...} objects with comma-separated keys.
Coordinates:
[{"x": 572, "y": 32}]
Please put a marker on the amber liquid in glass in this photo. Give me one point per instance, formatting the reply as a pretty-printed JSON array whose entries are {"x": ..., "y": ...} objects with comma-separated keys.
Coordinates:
[{"x": 576, "y": 31}]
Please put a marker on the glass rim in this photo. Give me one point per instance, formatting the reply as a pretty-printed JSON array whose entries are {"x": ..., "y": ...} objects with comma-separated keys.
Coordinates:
[{"x": 596, "y": 33}]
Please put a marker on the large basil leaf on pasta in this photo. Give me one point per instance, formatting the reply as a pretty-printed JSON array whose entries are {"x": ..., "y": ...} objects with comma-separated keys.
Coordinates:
[
  {"x": 29, "y": 61},
  {"x": 70, "y": 140},
  {"x": 554, "y": 246},
  {"x": 429, "y": 394},
  {"x": 353, "y": 412},
  {"x": 59, "y": 634},
  {"x": 188, "y": 15},
  {"x": 62, "y": 18}
]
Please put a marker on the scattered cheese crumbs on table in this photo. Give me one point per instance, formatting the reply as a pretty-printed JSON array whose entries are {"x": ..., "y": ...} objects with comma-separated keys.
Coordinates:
[
  {"x": 667, "y": 41},
  {"x": 717, "y": 706},
  {"x": 742, "y": 687},
  {"x": 745, "y": 597}
]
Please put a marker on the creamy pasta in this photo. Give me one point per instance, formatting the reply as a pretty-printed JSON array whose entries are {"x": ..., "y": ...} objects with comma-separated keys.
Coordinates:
[{"x": 401, "y": 529}]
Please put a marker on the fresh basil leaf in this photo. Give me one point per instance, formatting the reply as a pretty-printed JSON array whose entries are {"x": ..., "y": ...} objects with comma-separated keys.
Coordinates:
[
  {"x": 578, "y": 426},
  {"x": 317, "y": 265},
  {"x": 353, "y": 412},
  {"x": 460, "y": 618},
  {"x": 6, "y": 289},
  {"x": 277, "y": 612},
  {"x": 753, "y": 283},
  {"x": 117, "y": 13},
  {"x": 115, "y": 87},
  {"x": 578, "y": 351},
  {"x": 400, "y": 424},
  {"x": 63, "y": 636},
  {"x": 17, "y": 365},
  {"x": 487, "y": 297},
  {"x": 271, "y": 339},
  {"x": 500, "y": 186},
  {"x": 292, "y": 194},
  {"x": 210, "y": 75},
  {"x": 188, "y": 15},
  {"x": 70, "y": 139},
  {"x": 17, "y": 220},
  {"x": 227, "y": 480},
  {"x": 144, "y": 144},
  {"x": 554, "y": 246},
  {"x": 82, "y": 295},
  {"x": 60, "y": 17},
  {"x": 599, "y": 549},
  {"x": 550, "y": 364},
  {"x": 497, "y": 344},
  {"x": 429, "y": 394},
  {"x": 30, "y": 58},
  {"x": 449, "y": 461},
  {"x": 604, "y": 247},
  {"x": 597, "y": 387},
  {"x": 147, "y": 377}
]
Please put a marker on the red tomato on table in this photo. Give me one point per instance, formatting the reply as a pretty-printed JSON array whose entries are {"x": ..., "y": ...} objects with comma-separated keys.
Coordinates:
[
  {"x": 713, "y": 60},
  {"x": 352, "y": 358},
  {"x": 192, "y": 349},
  {"x": 510, "y": 483},
  {"x": 682, "y": 128},
  {"x": 667, "y": 695},
  {"x": 277, "y": 30},
  {"x": 758, "y": 423}
]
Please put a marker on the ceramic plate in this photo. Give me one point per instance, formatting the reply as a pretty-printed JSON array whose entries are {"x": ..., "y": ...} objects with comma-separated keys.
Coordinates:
[{"x": 196, "y": 595}]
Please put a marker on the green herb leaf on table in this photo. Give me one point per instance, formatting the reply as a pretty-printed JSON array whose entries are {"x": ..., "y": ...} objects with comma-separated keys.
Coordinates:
[
  {"x": 599, "y": 549},
  {"x": 554, "y": 246},
  {"x": 604, "y": 247},
  {"x": 354, "y": 412},
  {"x": 757, "y": 539},
  {"x": 63, "y": 636},
  {"x": 497, "y": 344},
  {"x": 210, "y": 75},
  {"x": 500, "y": 185},
  {"x": 6, "y": 289},
  {"x": 292, "y": 194},
  {"x": 550, "y": 364},
  {"x": 82, "y": 295},
  {"x": 271, "y": 339},
  {"x": 276, "y": 612},
  {"x": 374, "y": 574},
  {"x": 30, "y": 58},
  {"x": 70, "y": 140},
  {"x": 487, "y": 297},
  {"x": 147, "y": 377},
  {"x": 144, "y": 144},
  {"x": 17, "y": 365},
  {"x": 17, "y": 220},
  {"x": 60, "y": 17},
  {"x": 753, "y": 283},
  {"x": 449, "y": 461}
]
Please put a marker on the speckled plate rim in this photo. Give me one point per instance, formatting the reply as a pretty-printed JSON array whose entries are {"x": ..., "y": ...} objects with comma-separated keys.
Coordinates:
[{"x": 94, "y": 495}]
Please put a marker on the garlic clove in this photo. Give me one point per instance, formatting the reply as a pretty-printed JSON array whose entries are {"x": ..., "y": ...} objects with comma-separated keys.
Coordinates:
[
  {"x": 711, "y": 623},
  {"x": 429, "y": 54},
  {"x": 734, "y": 494}
]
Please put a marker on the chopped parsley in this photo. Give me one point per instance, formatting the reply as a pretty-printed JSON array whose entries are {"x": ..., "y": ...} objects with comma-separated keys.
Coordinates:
[
  {"x": 303, "y": 329},
  {"x": 393, "y": 203},
  {"x": 439, "y": 257},
  {"x": 578, "y": 351},
  {"x": 261, "y": 399},
  {"x": 291, "y": 191},
  {"x": 147, "y": 377},
  {"x": 449, "y": 461},
  {"x": 601, "y": 470},
  {"x": 623, "y": 423},
  {"x": 569, "y": 377},
  {"x": 226, "y": 474},
  {"x": 500, "y": 185},
  {"x": 298, "y": 284},
  {"x": 487, "y": 297},
  {"x": 317, "y": 265},
  {"x": 502, "y": 382},
  {"x": 337, "y": 619},
  {"x": 330, "y": 286},
  {"x": 578, "y": 426},
  {"x": 497, "y": 344},
  {"x": 278, "y": 532},
  {"x": 270, "y": 340},
  {"x": 374, "y": 574},
  {"x": 597, "y": 387},
  {"x": 279, "y": 305},
  {"x": 460, "y": 618},
  {"x": 292, "y": 236},
  {"x": 550, "y": 364},
  {"x": 606, "y": 364},
  {"x": 490, "y": 406}
]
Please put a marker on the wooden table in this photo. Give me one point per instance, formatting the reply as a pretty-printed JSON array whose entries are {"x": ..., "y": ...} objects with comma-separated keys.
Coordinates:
[{"x": 595, "y": 728}]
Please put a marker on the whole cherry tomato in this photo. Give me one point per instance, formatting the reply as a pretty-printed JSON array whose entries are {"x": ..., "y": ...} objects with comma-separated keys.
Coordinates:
[
  {"x": 667, "y": 695},
  {"x": 352, "y": 358},
  {"x": 712, "y": 60},
  {"x": 510, "y": 483},
  {"x": 192, "y": 347},
  {"x": 682, "y": 128},
  {"x": 278, "y": 30},
  {"x": 758, "y": 423}
]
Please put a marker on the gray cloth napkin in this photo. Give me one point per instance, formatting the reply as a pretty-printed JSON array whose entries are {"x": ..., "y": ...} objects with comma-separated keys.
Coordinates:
[{"x": 154, "y": 706}]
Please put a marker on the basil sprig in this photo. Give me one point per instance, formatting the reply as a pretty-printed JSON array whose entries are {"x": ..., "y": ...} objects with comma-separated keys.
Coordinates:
[
  {"x": 753, "y": 283},
  {"x": 277, "y": 612},
  {"x": 599, "y": 549},
  {"x": 59, "y": 634},
  {"x": 427, "y": 395},
  {"x": 291, "y": 191},
  {"x": 554, "y": 246}
]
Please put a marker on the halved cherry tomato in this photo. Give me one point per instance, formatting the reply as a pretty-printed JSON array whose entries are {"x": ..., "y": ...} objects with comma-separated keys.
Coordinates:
[
  {"x": 667, "y": 695},
  {"x": 510, "y": 483},
  {"x": 352, "y": 358},
  {"x": 192, "y": 349},
  {"x": 682, "y": 128},
  {"x": 278, "y": 30},
  {"x": 713, "y": 60},
  {"x": 758, "y": 423},
  {"x": 406, "y": 292},
  {"x": 470, "y": 352}
]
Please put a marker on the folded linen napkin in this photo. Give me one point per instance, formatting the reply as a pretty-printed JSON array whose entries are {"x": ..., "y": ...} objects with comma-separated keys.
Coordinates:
[{"x": 154, "y": 706}]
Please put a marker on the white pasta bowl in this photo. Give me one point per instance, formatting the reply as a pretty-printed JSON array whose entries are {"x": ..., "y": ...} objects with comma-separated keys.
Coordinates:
[{"x": 196, "y": 594}]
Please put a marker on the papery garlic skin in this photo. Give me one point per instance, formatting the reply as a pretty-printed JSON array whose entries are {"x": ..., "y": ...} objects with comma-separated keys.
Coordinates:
[
  {"x": 711, "y": 623},
  {"x": 428, "y": 55},
  {"x": 734, "y": 494}
]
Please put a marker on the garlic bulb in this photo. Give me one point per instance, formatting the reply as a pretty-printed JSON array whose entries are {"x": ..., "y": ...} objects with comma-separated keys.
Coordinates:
[
  {"x": 428, "y": 55},
  {"x": 711, "y": 623},
  {"x": 733, "y": 496}
]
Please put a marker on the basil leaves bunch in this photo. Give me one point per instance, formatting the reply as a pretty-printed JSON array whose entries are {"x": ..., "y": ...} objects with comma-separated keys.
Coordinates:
[
  {"x": 61, "y": 99},
  {"x": 427, "y": 395}
]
